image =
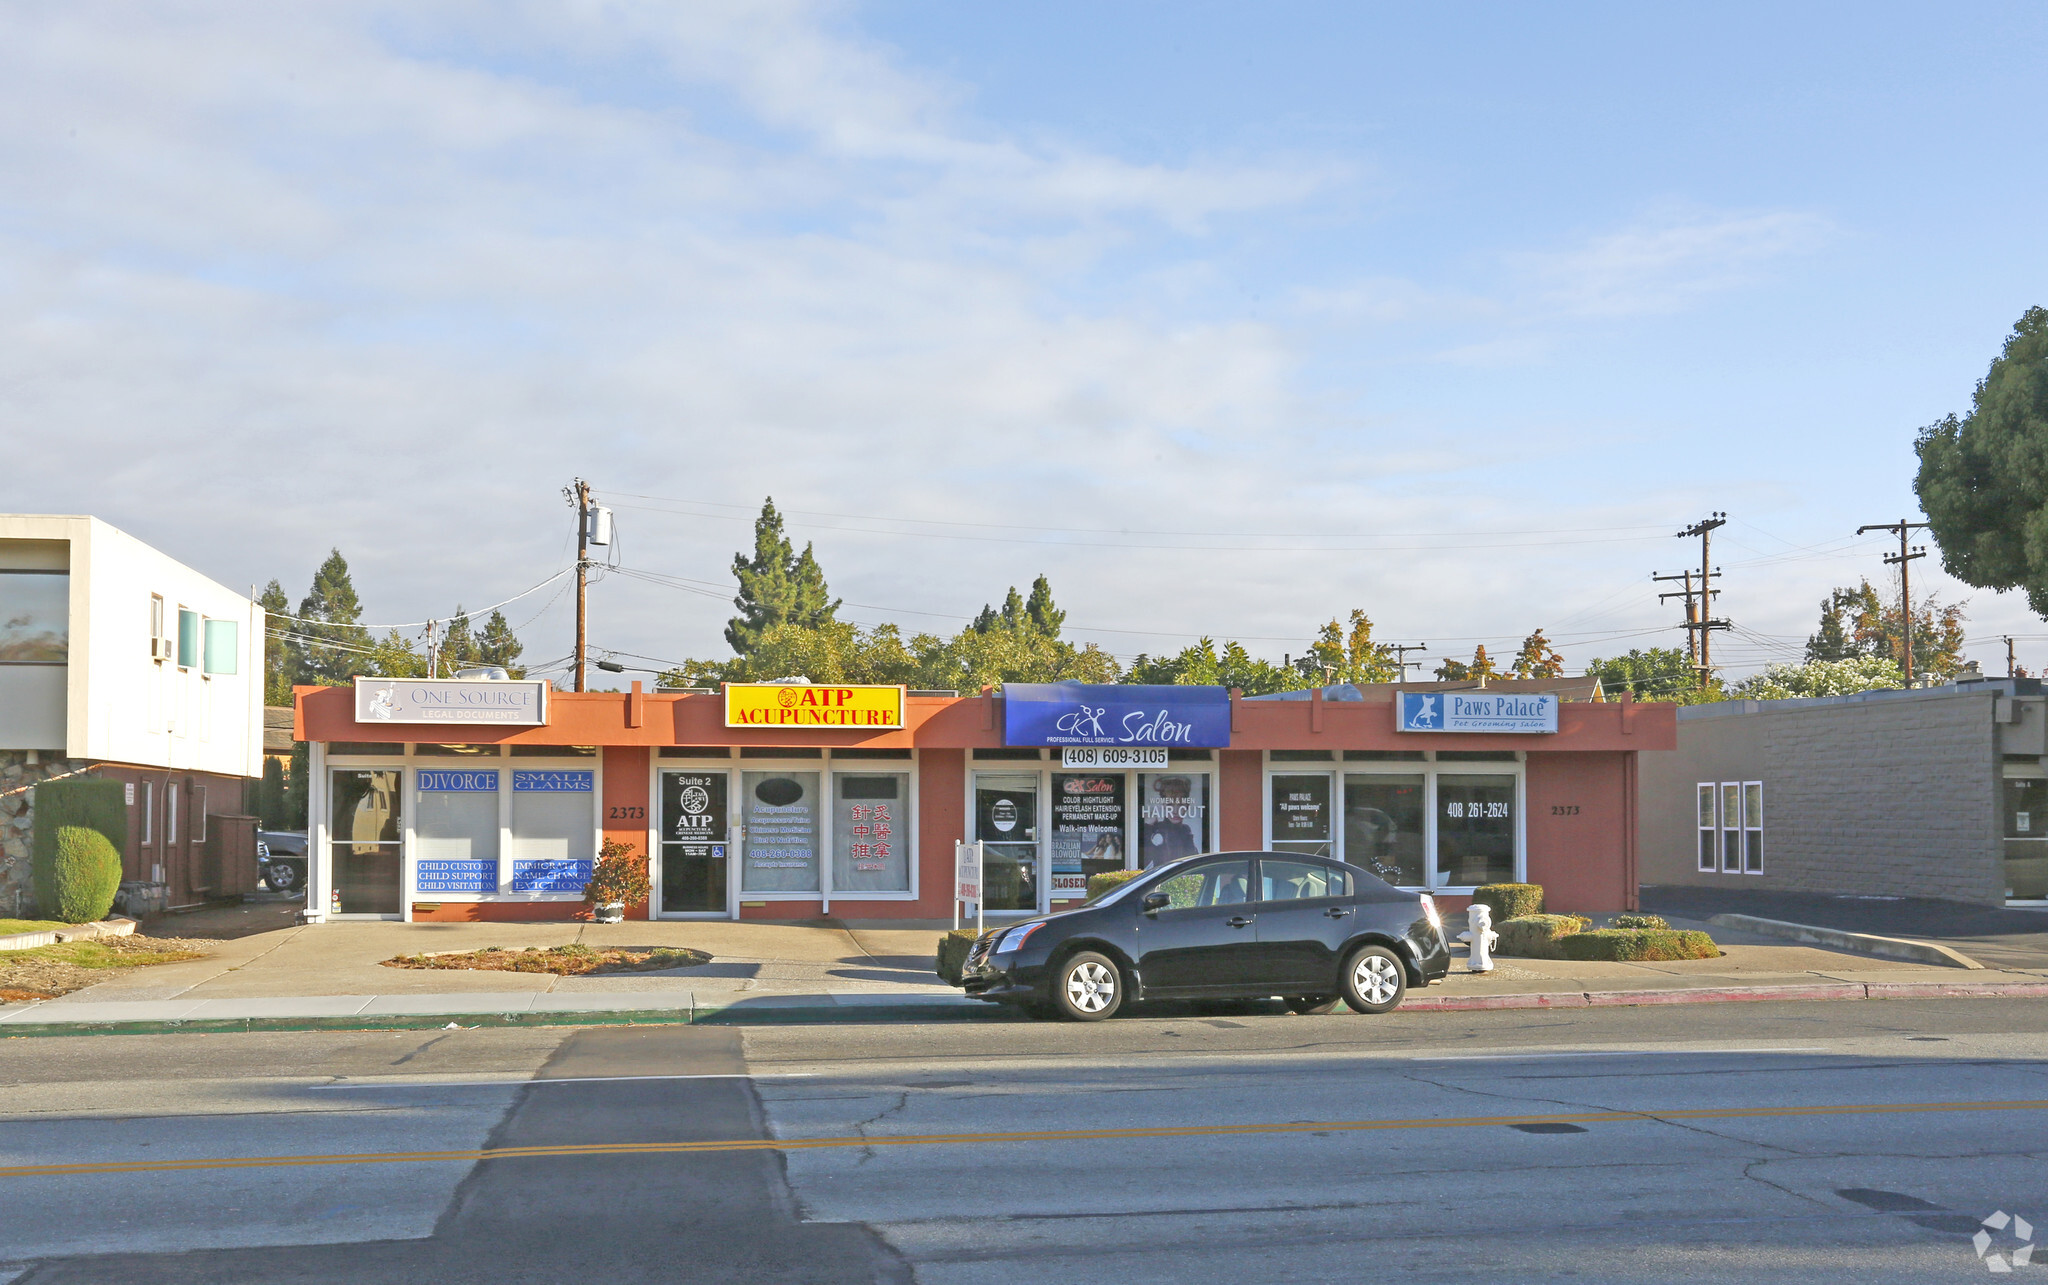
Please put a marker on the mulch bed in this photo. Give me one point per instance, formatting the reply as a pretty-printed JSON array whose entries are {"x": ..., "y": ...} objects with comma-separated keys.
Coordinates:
[
  {"x": 568, "y": 961},
  {"x": 45, "y": 972}
]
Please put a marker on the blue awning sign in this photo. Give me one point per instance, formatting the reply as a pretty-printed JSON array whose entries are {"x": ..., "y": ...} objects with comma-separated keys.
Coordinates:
[{"x": 1116, "y": 714}]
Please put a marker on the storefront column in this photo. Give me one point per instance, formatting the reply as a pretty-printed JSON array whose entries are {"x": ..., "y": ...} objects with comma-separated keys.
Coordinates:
[
  {"x": 941, "y": 822},
  {"x": 1242, "y": 805},
  {"x": 626, "y": 807}
]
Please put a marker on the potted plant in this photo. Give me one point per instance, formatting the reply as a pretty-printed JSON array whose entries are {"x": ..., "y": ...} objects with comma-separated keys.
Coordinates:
[{"x": 619, "y": 878}]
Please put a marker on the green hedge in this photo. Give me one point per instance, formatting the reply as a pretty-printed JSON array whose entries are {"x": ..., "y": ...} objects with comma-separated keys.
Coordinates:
[
  {"x": 1537, "y": 936},
  {"x": 1639, "y": 921},
  {"x": 1638, "y": 945},
  {"x": 953, "y": 948},
  {"x": 69, "y": 870},
  {"x": 1108, "y": 879},
  {"x": 1510, "y": 900}
]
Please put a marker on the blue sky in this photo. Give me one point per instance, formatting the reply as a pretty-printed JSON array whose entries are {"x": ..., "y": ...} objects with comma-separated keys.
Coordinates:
[{"x": 1228, "y": 318}]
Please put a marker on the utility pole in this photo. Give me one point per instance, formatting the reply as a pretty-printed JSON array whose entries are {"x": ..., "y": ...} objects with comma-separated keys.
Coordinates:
[
  {"x": 1706, "y": 624},
  {"x": 1401, "y": 651},
  {"x": 1901, "y": 559},
  {"x": 579, "y": 495},
  {"x": 1692, "y": 626},
  {"x": 2011, "y": 662}
]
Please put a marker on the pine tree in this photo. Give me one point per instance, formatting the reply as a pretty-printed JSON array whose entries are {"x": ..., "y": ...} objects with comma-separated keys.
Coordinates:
[
  {"x": 497, "y": 645},
  {"x": 1045, "y": 618},
  {"x": 283, "y": 659},
  {"x": 334, "y": 608},
  {"x": 777, "y": 585},
  {"x": 1538, "y": 659},
  {"x": 458, "y": 645},
  {"x": 1831, "y": 640}
]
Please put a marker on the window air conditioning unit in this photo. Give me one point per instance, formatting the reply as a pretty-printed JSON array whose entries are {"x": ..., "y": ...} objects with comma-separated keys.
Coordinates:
[{"x": 159, "y": 649}]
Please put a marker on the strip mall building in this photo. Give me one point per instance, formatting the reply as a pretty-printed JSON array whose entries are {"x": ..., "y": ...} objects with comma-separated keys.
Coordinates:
[{"x": 482, "y": 800}]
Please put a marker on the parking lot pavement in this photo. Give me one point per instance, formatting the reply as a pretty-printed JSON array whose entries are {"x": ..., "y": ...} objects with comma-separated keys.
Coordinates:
[{"x": 2014, "y": 940}]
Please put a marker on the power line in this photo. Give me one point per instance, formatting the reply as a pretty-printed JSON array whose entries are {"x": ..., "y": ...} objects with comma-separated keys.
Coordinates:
[{"x": 420, "y": 624}]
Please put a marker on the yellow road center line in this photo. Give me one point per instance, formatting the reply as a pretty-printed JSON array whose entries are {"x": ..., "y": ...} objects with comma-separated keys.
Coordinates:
[{"x": 989, "y": 1139}]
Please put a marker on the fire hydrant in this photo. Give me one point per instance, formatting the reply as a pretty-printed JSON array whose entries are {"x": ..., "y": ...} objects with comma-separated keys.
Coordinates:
[{"x": 1482, "y": 937}]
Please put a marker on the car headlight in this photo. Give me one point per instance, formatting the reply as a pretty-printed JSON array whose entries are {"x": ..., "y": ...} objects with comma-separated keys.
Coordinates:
[
  {"x": 1014, "y": 939},
  {"x": 1429, "y": 908}
]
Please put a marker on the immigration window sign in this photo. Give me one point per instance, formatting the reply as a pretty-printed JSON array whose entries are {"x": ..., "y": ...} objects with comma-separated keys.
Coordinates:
[
  {"x": 1477, "y": 711},
  {"x": 813, "y": 705}
]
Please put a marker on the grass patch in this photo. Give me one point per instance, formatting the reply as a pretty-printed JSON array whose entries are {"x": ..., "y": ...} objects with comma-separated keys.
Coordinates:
[
  {"x": 9, "y": 927},
  {"x": 45, "y": 972},
  {"x": 573, "y": 960},
  {"x": 1537, "y": 936}
]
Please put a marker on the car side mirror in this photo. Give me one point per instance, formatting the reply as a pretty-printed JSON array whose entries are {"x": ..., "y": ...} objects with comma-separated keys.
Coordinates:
[{"x": 1155, "y": 902}]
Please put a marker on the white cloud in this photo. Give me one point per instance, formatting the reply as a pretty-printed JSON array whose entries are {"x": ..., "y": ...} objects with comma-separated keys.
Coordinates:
[{"x": 1662, "y": 265}]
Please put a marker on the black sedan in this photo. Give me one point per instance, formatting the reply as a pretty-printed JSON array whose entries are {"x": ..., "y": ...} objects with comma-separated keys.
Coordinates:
[{"x": 1221, "y": 925}]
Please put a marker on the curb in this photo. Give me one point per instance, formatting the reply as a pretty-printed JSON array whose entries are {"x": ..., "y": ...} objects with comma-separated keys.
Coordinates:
[
  {"x": 1919, "y": 952},
  {"x": 94, "y": 931},
  {"x": 878, "y": 1014}
]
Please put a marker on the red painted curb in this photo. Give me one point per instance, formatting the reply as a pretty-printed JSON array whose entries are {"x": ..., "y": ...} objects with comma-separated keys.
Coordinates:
[{"x": 1723, "y": 995}]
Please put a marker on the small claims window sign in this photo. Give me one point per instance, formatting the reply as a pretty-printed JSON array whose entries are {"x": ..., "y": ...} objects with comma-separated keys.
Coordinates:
[{"x": 812, "y": 705}]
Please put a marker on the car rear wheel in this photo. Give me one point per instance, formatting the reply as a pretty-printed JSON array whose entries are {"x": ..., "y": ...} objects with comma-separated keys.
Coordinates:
[
  {"x": 1087, "y": 988},
  {"x": 1374, "y": 980},
  {"x": 1311, "y": 1004},
  {"x": 282, "y": 876}
]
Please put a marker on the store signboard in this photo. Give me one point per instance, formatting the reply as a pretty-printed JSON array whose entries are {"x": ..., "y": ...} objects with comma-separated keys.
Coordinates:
[
  {"x": 452, "y": 700},
  {"x": 1116, "y": 714},
  {"x": 812, "y": 705},
  {"x": 1477, "y": 711}
]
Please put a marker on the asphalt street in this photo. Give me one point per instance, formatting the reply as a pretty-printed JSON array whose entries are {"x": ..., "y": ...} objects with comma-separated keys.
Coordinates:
[{"x": 1752, "y": 1142}]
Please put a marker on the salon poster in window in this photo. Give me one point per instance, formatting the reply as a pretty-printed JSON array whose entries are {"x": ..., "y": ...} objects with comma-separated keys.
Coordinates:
[
  {"x": 1173, "y": 816},
  {"x": 1087, "y": 831}
]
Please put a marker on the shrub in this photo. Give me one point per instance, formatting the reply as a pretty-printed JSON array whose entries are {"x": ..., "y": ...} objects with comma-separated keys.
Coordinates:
[
  {"x": 1537, "y": 936},
  {"x": 1510, "y": 900},
  {"x": 1637, "y": 945},
  {"x": 1638, "y": 921},
  {"x": 81, "y": 802},
  {"x": 1109, "y": 879},
  {"x": 78, "y": 883},
  {"x": 953, "y": 949},
  {"x": 620, "y": 875}
]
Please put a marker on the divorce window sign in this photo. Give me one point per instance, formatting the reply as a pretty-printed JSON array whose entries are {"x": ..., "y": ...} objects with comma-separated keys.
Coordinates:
[
  {"x": 1120, "y": 714},
  {"x": 1477, "y": 711}
]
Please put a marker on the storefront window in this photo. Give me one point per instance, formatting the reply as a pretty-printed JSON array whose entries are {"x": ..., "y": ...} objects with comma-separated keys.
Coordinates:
[
  {"x": 1173, "y": 816},
  {"x": 35, "y": 617},
  {"x": 1301, "y": 814},
  {"x": 1383, "y": 818},
  {"x": 2026, "y": 838},
  {"x": 693, "y": 842},
  {"x": 455, "y": 836},
  {"x": 871, "y": 832},
  {"x": 365, "y": 826},
  {"x": 1006, "y": 823},
  {"x": 1087, "y": 830},
  {"x": 781, "y": 817},
  {"x": 1709, "y": 851},
  {"x": 1475, "y": 830},
  {"x": 554, "y": 830},
  {"x": 1753, "y": 827}
]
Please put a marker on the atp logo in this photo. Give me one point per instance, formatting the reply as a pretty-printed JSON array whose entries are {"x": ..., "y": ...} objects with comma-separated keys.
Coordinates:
[{"x": 2022, "y": 1253}]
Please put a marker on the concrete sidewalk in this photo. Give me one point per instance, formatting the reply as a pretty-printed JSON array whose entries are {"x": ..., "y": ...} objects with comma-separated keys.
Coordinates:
[{"x": 332, "y": 975}]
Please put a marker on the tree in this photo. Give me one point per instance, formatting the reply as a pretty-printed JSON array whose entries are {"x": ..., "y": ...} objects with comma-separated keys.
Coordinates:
[
  {"x": 1039, "y": 610},
  {"x": 1537, "y": 659},
  {"x": 283, "y": 659},
  {"x": 777, "y": 585},
  {"x": 458, "y": 644},
  {"x": 1983, "y": 480},
  {"x": 1659, "y": 674},
  {"x": 1232, "y": 667},
  {"x": 1482, "y": 668},
  {"x": 1339, "y": 655},
  {"x": 1858, "y": 622},
  {"x": 336, "y": 647},
  {"x": 1821, "y": 678},
  {"x": 497, "y": 645}
]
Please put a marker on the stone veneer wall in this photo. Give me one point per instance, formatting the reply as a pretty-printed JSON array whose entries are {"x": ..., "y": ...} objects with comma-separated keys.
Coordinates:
[{"x": 18, "y": 777}]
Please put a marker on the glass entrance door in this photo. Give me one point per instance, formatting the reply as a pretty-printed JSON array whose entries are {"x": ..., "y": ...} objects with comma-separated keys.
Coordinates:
[
  {"x": 364, "y": 843},
  {"x": 694, "y": 865},
  {"x": 1006, "y": 823}
]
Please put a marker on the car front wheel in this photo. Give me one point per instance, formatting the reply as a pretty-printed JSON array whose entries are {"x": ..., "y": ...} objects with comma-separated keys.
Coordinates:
[
  {"x": 281, "y": 876},
  {"x": 1374, "y": 980},
  {"x": 1087, "y": 988}
]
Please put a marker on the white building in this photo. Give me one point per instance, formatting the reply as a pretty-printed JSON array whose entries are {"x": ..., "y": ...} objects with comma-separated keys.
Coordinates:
[{"x": 119, "y": 661}]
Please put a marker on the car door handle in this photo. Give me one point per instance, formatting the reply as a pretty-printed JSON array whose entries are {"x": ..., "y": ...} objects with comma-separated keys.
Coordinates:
[
  {"x": 1239, "y": 921},
  {"x": 1336, "y": 912}
]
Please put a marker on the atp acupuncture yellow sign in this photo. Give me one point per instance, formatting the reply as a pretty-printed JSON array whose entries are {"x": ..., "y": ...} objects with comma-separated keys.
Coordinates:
[{"x": 812, "y": 705}]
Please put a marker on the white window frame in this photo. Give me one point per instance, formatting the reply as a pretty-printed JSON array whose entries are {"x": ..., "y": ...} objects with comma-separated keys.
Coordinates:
[
  {"x": 1752, "y": 835},
  {"x": 736, "y": 853},
  {"x": 148, "y": 811},
  {"x": 1731, "y": 827},
  {"x": 688, "y": 767},
  {"x": 1707, "y": 848},
  {"x": 871, "y": 767},
  {"x": 170, "y": 812},
  {"x": 1337, "y": 767}
]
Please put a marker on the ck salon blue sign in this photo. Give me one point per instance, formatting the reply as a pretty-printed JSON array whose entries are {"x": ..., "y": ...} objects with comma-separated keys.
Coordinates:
[
  {"x": 1115, "y": 714},
  {"x": 1477, "y": 711}
]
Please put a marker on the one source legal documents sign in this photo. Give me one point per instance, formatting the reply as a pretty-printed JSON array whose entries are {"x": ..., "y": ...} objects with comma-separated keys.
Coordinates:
[
  {"x": 812, "y": 705},
  {"x": 1476, "y": 711},
  {"x": 451, "y": 700}
]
